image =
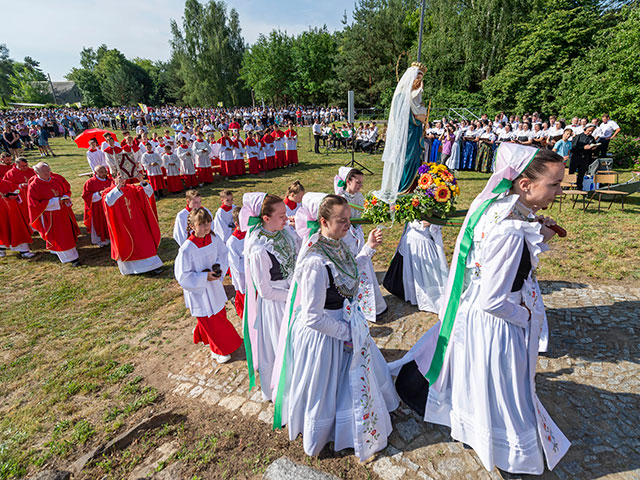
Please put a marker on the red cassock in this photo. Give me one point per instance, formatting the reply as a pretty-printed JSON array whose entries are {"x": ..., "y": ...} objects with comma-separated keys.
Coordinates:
[
  {"x": 281, "y": 156},
  {"x": 252, "y": 147},
  {"x": 271, "y": 159},
  {"x": 292, "y": 153},
  {"x": 94, "y": 211},
  {"x": 58, "y": 228},
  {"x": 14, "y": 230},
  {"x": 16, "y": 178},
  {"x": 133, "y": 225}
]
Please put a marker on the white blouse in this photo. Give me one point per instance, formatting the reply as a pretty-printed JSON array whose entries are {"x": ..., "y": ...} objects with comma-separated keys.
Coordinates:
[{"x": 202, "y": 297}]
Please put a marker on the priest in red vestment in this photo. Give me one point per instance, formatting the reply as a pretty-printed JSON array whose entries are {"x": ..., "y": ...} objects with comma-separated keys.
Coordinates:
[
  {"x": 15, "y": 233},
  {"x": 19, "y": 177},
  {"x": 94, "y": 218},
  {"x": 133, "y": 227},
  {"x": 50, "y": 213},
  {"x": 6, "y": 163}
]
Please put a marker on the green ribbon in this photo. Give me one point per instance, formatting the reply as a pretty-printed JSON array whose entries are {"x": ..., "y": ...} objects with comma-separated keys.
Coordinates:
[
  {"x": 313, "y": 226},
  {"x": 342, "y": 183},
  {"x": 458, "y": 281},
  {"x": 247, "y": 340},
  {"x": 282, "y": 381},
  {"x": 504, "y": 186},
  {"x": 253, "y": 222},
  {"x": 456, "y": 291}
]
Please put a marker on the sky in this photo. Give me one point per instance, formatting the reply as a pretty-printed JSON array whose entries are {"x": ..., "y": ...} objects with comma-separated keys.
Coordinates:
[{"x": 54, "y": 32}]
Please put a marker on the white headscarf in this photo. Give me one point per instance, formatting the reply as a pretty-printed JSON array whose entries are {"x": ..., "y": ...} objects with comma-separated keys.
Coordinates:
[
  {"x": 340, "y": 180},
  {"x": 395, "y": 148}
]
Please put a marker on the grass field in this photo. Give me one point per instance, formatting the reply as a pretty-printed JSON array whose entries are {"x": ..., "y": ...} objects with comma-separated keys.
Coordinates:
[{"x": 73, "y": 342}]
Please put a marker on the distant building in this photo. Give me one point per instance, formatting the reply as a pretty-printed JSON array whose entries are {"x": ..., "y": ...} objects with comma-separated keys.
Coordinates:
[{"x": 65, "y": 92}]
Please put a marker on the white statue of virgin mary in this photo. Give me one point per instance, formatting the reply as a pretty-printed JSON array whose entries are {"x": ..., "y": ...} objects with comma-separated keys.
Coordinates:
[{"x": 403, "y": 149}]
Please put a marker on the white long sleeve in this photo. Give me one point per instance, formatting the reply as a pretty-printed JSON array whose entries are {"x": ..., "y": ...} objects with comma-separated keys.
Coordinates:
[
  {"x": 501, "y": 257},
  {"x": 313, "y": 293},
  {"x": 260, "y": 265}
]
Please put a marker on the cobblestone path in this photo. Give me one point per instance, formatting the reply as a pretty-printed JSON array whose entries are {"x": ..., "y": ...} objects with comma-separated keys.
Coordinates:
[{"x": 589, "y": 382}]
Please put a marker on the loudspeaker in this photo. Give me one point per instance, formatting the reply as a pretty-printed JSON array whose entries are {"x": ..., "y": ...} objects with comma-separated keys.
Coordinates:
[{"x": 350, "y": 102}]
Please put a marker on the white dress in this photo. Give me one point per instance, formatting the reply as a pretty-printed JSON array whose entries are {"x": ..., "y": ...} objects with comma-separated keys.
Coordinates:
[
  {"x": 424, "y": 266},
  {"x": 271, "y": 280},
  {"x": 486, "y": 389},
  {"x": 370, "y": 297},
  {"x": 453, "y": 162},
  {"x": 336, "y": 392}
]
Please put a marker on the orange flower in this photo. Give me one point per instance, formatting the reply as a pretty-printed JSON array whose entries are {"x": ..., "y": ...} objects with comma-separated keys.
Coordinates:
[
  {"x": 425, "y": 181},
  {"x": 442, "y": 194},
  {"x": 415, "y": 201},
  {"x": 374, "y": 201}
]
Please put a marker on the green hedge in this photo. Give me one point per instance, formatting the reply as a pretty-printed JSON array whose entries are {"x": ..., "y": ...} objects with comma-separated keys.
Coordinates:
[{"x": 625, "y": 150}]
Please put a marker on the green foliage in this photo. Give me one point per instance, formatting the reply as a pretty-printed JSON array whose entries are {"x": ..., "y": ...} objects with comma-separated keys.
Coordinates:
[
  {"x": 606, "y": 79},
  {"x": 530, "y": 77},
  {"x": 625, "y": 150},
  {"x": 268, "y": 67},
  {"x": 208, "y": 52},
  {"x": 369, "y": 49}
]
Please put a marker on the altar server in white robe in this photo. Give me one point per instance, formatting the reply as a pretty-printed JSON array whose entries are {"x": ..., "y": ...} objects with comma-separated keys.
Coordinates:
[
  {"x": 348, "y": 184},
  {"x": 270, "y": 257},
  {"x": 418, "y": 271},
  {"x": 199, "y": 269},
  {"x": 331, "y": 382},
  {"x": 95, "y": 156},
  {"x": 480, "y": 359},
  {"x": 292, "y": 200},
  {"x": 193, "y": 202},
  {"x": 223, "y": 224},
  {"x": 235, "y": 245}
]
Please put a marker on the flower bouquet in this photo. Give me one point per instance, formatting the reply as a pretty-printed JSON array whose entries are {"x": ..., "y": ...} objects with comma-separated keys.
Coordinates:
[{"x": 433, "y": 199}]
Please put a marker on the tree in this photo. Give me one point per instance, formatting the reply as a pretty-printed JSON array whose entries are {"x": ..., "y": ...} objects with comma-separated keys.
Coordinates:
[
  {"x": 25, "y": 81},
  {"x": 369, "y": 47},
  {"x": 6, "y": 69},
  {"x": 208, "y": 50},
  {"x": 533, "y": 67},
  {"x": 313, "y": 55},
  {"x": 267, "y": 67},
  {"x": 607, "y": 78}
]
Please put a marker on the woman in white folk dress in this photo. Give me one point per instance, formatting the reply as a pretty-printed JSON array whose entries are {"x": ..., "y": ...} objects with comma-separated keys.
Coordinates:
[
  {"x": 204, "y": 294},
  {"x": 270, "y": 258},
  {"x": 348, "y": 184},
  {"x": 480, "y": 360},
  {"x": 331, "y": 381},
  {"x": 418, "y": 271}
]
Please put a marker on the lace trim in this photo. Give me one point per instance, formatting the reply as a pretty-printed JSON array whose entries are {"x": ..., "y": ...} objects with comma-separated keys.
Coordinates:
[{"x": 281, "y": 246}]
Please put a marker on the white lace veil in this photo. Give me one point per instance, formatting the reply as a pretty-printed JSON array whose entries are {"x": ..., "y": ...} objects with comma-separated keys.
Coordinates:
[{"x": 395, "y": 147}]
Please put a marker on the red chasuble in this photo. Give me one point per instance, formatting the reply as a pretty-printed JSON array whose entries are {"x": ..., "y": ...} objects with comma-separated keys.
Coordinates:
[
  {"x": 13, "y": 228},
  {"x": 94, "y": 211},
  {"x": 17, "y": 177},
  {"x": 58, "y": 228},
  {"x": 4, "y": 169},
  {"x": 133, "y": 226}
]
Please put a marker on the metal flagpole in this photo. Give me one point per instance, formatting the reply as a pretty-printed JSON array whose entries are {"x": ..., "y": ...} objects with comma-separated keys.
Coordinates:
[{"x": 421, "y": 27}]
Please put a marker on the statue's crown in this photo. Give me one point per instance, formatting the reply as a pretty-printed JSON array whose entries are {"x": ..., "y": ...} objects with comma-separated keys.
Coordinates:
[{"x": 420, "y": 67}]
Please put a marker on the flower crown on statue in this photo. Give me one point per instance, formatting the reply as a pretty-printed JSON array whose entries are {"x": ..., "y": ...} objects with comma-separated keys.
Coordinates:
[{"x": 420, "y": 67}]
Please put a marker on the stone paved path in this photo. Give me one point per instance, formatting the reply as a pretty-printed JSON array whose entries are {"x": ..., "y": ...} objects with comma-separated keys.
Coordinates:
[{"x": 589, "y": 382}]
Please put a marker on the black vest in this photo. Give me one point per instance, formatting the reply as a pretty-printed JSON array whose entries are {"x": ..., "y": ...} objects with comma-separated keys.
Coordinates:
[
  {"x": 274, "y": 271},
  {"x": 334, "y": 300},
  {"x": 523, "y": 269}
]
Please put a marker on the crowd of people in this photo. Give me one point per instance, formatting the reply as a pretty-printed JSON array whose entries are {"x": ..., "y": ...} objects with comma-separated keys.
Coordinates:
[
  {"x": 472, "y": 145},
  {"x": 305, "y": 285},
  {"x": 25, "y": 128}
]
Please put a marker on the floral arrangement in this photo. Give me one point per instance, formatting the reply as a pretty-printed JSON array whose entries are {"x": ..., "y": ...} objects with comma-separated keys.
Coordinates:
[{"x": 434, "y": 196}]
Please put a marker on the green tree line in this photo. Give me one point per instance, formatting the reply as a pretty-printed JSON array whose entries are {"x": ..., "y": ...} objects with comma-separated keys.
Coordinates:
[{"x": 570, "y": 57}]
